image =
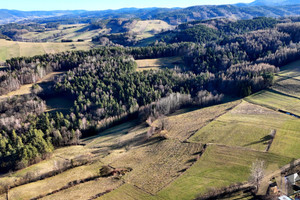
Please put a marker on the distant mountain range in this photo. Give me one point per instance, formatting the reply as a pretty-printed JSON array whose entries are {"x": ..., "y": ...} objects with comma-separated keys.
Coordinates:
[
  {"x": 274, "y": 2},
  {"x": 271, "y": 8},
  {"x": 7, "y": 16}
]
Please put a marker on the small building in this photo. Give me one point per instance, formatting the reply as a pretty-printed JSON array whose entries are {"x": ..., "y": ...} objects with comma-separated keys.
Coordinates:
[
  {"x": 292, "y": 184},
  {"x": 293, "y": 178}
]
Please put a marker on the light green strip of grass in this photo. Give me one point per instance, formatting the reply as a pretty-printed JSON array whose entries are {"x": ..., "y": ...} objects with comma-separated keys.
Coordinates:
[{"x": 220, "y": 166}]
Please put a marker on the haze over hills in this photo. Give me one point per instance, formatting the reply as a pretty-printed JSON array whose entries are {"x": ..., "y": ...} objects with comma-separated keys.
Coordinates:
[
  {"x": 270, "y": 8},
  {"x": 273, "y": 2},
  {"x": 7, "y": 16}
]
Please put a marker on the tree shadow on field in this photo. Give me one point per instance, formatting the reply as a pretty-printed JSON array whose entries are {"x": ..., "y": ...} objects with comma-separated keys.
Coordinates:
[
  {"x": 137, "y": 141},
  {"x": 121, "y": 129},
  {"x": 284, "y": 94},
  {"x": 265, "y": 140}
]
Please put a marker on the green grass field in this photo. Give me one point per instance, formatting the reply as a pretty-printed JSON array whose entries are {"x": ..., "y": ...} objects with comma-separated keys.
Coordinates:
[
  {"x": 247, "y": 125},
  {"x": 182, "y": 126},
  {"x": 288, "y": 80},
  {"x": 287, "y": 139},
  {"x": 276, "y": 100},
  {"x": 220, "y": 166}
]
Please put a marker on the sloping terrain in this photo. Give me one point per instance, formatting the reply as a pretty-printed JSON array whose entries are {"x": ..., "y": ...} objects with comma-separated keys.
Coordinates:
[
  {"x": 85, "y": 32},
  {"x": 203, "y": 150}
]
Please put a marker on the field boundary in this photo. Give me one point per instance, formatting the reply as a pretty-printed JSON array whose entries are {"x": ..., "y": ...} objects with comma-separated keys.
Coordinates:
[
  {"x": 214, "y": 119},
  {"x": 273, "y": 108}
]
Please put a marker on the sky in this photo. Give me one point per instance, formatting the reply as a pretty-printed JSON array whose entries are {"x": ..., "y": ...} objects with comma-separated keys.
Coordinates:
[{"x": 30, "y": 5}]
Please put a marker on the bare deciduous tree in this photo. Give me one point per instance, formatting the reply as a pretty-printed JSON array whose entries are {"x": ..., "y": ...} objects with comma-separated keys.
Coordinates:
[
  {"x": 257, "y": 172},
  {"x": 5, "y": 186}
]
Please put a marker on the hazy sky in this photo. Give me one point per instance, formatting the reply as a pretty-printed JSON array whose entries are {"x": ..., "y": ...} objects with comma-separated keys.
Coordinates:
[{"x": 105, "y": 4}]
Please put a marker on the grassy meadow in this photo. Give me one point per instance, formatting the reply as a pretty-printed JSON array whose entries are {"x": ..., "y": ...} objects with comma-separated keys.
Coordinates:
[
  {"x": 158, "y": 63},
  {"x": 246, "y": 125},
  {"x": 10, "y": 49},
  {"x": 276, "y": 100},
  {"x": 220, "y": 166}
]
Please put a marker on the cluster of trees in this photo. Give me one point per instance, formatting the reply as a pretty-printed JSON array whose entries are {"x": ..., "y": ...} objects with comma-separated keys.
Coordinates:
[
  {"x": 13, "y": 30},
  {"x": 107, "y": 89},
  {"x": 248, "y": 47},
  {"x": 293, "y": 29},
  {"x": 115, "y": 25},
  {"x": 282, "y": 56},
  {"x": 215, "y": 30},
  {"x": 245, "y": 78},
  {"x": 124, "y": 39},
  {"x": 29, "y": 135}
]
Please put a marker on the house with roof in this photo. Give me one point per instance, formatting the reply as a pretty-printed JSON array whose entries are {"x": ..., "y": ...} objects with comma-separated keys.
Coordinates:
[{"x": 292, "y": 184}]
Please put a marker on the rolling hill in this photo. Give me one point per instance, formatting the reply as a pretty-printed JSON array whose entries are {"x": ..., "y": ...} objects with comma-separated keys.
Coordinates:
[{"x": 271, "y": 8}]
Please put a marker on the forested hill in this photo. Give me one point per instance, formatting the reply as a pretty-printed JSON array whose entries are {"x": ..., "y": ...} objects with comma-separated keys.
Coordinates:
[{"x": 172, "y": 16}]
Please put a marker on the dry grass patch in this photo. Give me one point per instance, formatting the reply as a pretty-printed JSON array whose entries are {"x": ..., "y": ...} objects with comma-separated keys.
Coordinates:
[
  {"x": 182, "y": 126},
  {"x": 26, "y": 89},
  {"x": 61, "y": 158},
  {"x": 147, "y": 28},
  {"x": 48, "y": 185},
  {"x": 147, "y": 64},
  {"x": 85, "y": 191},
  {"x": 157, "y": 163},
  {"x": 9, "y": 49},
  {"x": 127, "y": 192}
]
